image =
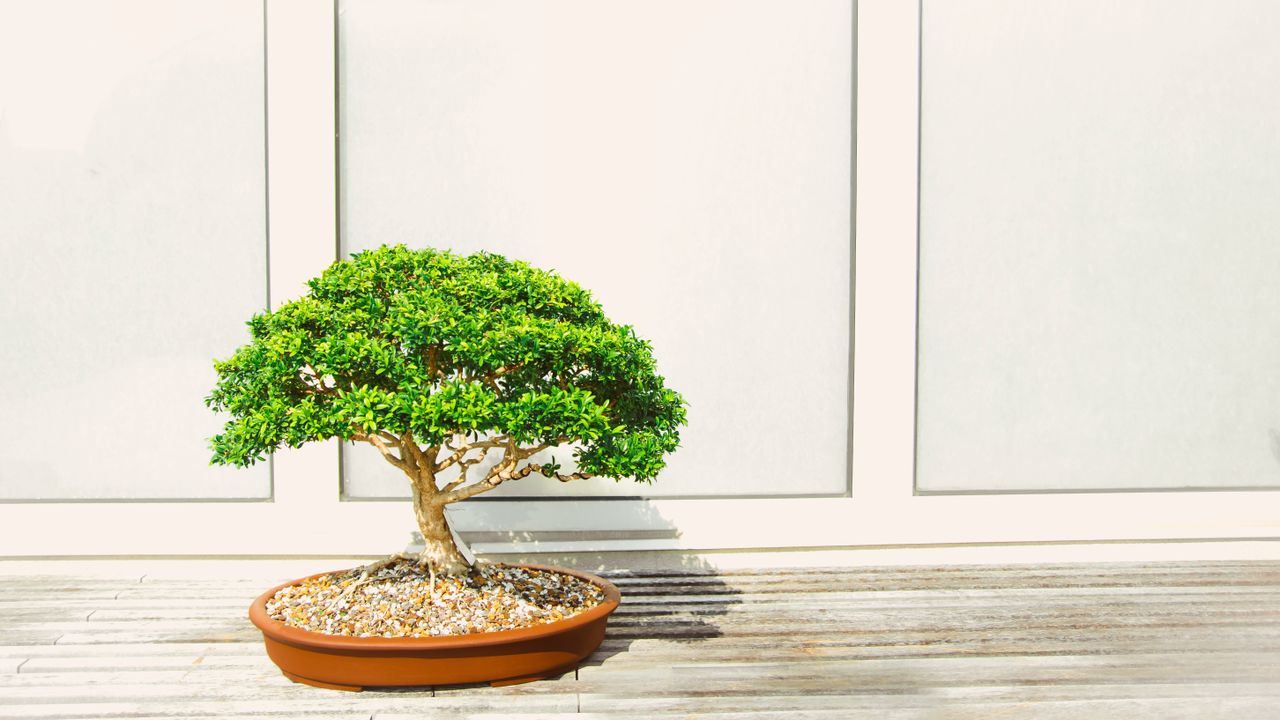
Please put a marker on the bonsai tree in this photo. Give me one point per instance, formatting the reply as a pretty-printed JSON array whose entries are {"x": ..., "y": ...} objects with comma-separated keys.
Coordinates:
[{"x": 440, "y": 361}]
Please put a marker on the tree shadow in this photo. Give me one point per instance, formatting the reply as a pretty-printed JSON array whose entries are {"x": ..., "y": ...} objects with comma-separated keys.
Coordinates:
[
  {"x": 667, "y": 595},
  {"x": 679, "y": 604}
]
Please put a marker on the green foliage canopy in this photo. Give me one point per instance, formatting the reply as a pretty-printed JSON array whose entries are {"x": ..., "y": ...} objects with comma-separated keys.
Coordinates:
[{"x": 437, "y": 344}]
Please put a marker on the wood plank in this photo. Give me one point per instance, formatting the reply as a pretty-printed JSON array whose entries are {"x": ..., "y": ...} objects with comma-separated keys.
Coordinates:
[
  {"x": 158, "y": 592},
  {"x": 1261, "y": 567},
  {"x": 800, "y": 654},
  {"x": 123, "y": 649},
  {"x": 190, "y": 635},
  {"x": 36, "y": 602},
  {"x": 815, "y": 606},
  {"x": 698, "y": 678},
  {"x": 714, "y": 586},
  {"x": 187, "y": 614},
  {"x": 56, "y": 582},
  {"x": 270, "y": 712},
  {"x": 55, "y": 595},
  {"x": 292, "y": 701},
  {"x": 1112, "y": 566},
  {"x": 18, "y": 683},
  {"x": 1081, "y": 642},
  {"x": 190, "y": 710},
  {"x": 1007, "y": 596},
  {"x": 1027, "y": 574},
  {"x": 1153, "y": 709},
  {"x": 12, "y": 618},
  {"x": 596, "y": 703},
  {"x": 29, "y": 638},
  {"x": 924, "y": 632},
  {"x": 119, "y": 663}
]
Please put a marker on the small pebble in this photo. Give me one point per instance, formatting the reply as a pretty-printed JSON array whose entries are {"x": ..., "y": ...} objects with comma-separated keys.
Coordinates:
[{"x": 398, "y": 601}]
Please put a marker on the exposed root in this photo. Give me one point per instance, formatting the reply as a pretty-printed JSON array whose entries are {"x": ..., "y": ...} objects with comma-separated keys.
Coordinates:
[
  {"x": 367, "y": 571},
  {"x": 420, "y": 562}
]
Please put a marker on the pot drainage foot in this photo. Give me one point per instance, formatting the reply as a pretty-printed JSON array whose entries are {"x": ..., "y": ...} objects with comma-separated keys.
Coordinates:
[
  {"x": 321, "y": 683},
  {"x": 531, "y": 678}
]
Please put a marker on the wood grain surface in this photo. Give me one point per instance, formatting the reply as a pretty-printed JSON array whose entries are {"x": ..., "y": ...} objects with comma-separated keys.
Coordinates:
[{"x": 1124, "y": 640}]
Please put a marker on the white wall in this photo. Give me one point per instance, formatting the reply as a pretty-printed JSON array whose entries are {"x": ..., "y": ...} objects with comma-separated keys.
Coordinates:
[
  {"x": 1099, "y": 245},
  {"x": 690, "y": 163},
  {"x": 306, "y": 514},
  {"x": 132, "y": 241}
]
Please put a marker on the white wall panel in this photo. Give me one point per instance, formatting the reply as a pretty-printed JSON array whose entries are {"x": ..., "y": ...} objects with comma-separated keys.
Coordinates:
[
  {"x": 1099, "y": 253},
  {"x": 132, "y": 241},
  {"x": 307, "y": 516},
  {"x": 689, "y": 162}
]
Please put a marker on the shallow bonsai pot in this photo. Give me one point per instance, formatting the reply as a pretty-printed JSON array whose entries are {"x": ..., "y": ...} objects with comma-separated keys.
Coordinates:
[{"x": 506, "y": 657}]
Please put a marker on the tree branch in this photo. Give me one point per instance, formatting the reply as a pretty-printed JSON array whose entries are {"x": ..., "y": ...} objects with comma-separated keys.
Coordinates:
[
  {"x": 473, "y": 489},
  {"x": 491, "y": 378},
  {"x": 410, "y": 460},
  {"x": 377, "y": 442},
  {"x": 535, "y": 467},
  {"x": 463, "y": 467},
  {"x": 420, "y": 461},
  {"x": 500, "y": 473},
  {"x": 458, "y": 454},
  {"x": 433, "y": 362}
]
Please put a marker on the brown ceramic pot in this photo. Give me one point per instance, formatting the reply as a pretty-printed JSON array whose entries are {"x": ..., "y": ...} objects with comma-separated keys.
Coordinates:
[{"x": 499, "y": 658}]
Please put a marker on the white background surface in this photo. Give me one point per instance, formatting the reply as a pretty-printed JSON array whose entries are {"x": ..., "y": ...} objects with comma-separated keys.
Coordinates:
[
  {"x": 132, "y": 241},
  {"x": 689, "y": 163},
  {"x": 1099, "y": 245},
  {"x": 883, "y": 521}
]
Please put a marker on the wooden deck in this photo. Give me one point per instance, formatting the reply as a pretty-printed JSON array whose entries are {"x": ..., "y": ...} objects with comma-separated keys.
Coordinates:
[{"x": 1134, "y": 641}]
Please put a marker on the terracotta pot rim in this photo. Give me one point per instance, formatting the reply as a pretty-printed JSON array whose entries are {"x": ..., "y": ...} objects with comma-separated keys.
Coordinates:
[{"x": 280, "y": 632}]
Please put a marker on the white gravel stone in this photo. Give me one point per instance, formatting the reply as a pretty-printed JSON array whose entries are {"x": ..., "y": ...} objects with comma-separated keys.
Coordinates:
[{"x": 399, "y": 601}]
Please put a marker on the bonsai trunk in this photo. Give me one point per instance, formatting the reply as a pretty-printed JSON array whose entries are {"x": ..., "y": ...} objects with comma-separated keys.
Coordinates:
[{"x": 439, "y": 548}]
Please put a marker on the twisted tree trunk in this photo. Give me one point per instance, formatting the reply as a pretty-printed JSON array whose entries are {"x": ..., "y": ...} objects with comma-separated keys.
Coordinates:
[
  {"x": 421, "y": 465},
  {"x": 439, "y": 548}
]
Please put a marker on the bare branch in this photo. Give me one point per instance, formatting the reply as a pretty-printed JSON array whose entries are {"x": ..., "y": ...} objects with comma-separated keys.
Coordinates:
[
  {"x": 458, "y": 454},
  {"x": 473, "y": 489},
  {"x": 377, "y": 442},
  {"x": 534, "y": 467},
  {"x": 433, "y": 362},
  {"x": 420, "y": 461},
  {"x": 412, "y": 468},
  {"x": 502, "y": 472},
  {"x": 463, "y": 467}
]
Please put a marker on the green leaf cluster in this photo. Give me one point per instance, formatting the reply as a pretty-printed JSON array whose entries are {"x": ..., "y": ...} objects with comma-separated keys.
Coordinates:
[{"x": 432, "y": 343}]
